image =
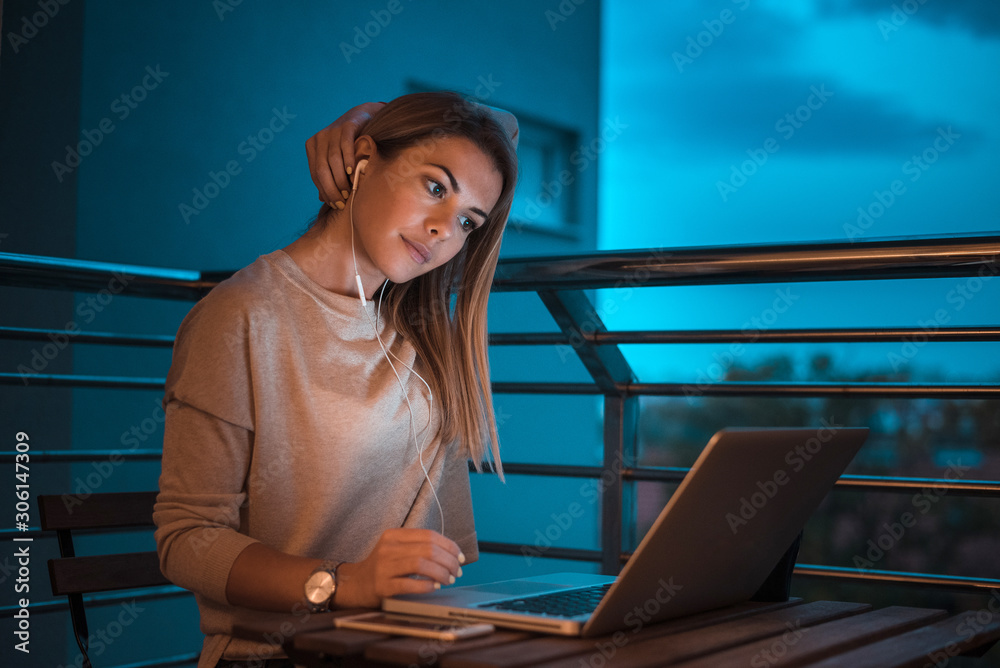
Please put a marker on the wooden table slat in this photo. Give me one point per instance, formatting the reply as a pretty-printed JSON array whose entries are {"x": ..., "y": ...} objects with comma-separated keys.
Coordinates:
[
  {"x": 423, "y": 652},
  {"x": 634, "y": 651},
  {"x": 929, "y": 645},
  {"x": 801, "y": 646},
  {"x": 554, "y": 649},
  {"x": 337, "y": 642},
  {"x": 283, "y": 628},
  {"x": 547, "y": 647}
]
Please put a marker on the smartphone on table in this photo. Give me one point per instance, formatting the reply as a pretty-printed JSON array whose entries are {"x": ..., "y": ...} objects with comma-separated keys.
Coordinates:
[{"x": 411, "y": 625}]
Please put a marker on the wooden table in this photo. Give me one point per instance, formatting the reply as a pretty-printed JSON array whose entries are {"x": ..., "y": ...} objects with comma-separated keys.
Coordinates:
[{"x": 758, "y": 635}]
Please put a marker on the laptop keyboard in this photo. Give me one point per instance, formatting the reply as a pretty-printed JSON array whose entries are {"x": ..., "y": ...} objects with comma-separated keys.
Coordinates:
[{"x": 556, "y": 604}]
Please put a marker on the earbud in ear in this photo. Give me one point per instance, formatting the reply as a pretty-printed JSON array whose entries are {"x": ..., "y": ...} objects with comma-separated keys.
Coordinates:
[{"x": 359, "y": 169}]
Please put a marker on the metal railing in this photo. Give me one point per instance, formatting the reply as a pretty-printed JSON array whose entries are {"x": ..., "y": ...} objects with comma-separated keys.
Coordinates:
[{"x": 560, "y": 282}]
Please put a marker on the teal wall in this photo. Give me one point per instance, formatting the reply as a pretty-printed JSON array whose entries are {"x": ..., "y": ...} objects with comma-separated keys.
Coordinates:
[{"x": 152, "y": 99}]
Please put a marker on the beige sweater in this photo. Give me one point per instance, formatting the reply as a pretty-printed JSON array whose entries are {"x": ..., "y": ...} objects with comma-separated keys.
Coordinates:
[{"x": 285, "y": 425}]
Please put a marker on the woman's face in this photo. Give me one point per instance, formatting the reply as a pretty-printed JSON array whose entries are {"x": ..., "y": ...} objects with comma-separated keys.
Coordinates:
[{"x": 413, "y": 214}]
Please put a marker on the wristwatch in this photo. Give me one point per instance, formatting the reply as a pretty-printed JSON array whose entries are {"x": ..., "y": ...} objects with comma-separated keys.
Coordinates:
[{"x": 321, "y": 586}]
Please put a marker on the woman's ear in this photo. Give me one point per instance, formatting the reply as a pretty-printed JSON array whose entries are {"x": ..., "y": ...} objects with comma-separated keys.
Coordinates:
[{"x": 364, "y": 148}]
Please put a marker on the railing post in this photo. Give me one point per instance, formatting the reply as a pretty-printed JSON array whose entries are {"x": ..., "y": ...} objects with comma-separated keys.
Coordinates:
[
  {"x": 621, "y": 418},
  {"x": 577, "y": 317}
]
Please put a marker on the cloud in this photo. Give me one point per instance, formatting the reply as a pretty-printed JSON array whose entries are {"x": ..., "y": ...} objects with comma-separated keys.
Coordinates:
[
  {"x": 981, "y": 17},
  {"x": 740, "y": 86},
  {"x": 742, "y": 112}
]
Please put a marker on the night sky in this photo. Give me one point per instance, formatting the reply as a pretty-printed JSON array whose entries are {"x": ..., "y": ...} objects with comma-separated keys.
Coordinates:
[{"x": 747, "y": 122}]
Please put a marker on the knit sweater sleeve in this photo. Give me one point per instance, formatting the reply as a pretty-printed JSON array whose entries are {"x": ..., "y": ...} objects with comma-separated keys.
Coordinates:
[{"x": 207, "y": 447}]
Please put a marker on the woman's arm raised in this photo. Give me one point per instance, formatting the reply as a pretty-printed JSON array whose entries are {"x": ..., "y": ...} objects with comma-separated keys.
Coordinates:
[{"x": 330, "y": 151}]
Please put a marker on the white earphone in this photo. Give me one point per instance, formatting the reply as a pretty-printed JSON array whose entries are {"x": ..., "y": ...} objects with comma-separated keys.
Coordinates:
[{"x": 358, "y": 171}]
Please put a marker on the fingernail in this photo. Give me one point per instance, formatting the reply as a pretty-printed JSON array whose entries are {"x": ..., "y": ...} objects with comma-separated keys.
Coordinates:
[
  {"x": 437, "y": 585},
  {"x": 459, "y": 571},
  {"x": 340, "y": 205},
  {"x": 349, "y": 170},
  {"x": 461, "y": 557},
  {"x": 451, "y": 579},
  {"x": 344, "y": 193}
]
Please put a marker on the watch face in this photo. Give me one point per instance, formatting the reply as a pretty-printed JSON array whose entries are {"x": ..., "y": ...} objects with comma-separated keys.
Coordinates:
[{"x": 319, "y": 587}]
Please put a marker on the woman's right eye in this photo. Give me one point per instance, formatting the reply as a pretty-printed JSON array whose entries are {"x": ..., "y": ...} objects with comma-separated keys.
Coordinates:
[{"x": 435, "y": 188}]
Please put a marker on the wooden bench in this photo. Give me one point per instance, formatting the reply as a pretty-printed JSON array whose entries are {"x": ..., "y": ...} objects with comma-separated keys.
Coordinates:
[{"x": 74, "y": 576}]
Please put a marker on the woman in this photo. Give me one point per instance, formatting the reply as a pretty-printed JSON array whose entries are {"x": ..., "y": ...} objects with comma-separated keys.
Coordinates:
[{"x": 317, "y": 435}]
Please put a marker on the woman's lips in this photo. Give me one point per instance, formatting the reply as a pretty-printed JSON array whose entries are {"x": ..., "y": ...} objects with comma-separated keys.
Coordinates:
[{"x": 418, "y": 251}]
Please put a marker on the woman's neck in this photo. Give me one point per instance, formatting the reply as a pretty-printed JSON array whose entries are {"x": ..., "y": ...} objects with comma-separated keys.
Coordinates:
[{"x": 324, "y": 255}]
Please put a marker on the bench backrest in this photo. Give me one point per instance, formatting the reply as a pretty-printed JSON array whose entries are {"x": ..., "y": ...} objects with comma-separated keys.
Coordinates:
[{"x": 74, "y": 576}]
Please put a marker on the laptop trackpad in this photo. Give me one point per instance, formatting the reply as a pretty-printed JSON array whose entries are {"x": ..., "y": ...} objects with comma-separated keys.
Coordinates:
[{"x": 516, "y": 587}]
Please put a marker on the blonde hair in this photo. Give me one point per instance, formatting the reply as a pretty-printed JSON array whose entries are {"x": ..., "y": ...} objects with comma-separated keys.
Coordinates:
[{"x": 452, "y": 344}]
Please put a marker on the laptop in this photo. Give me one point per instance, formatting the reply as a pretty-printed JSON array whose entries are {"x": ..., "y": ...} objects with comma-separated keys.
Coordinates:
[{"x": 721, "y": 533}]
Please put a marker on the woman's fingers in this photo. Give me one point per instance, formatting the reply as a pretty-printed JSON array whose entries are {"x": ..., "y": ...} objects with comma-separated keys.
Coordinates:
[
  {"x": 403, "y": 561},
  {"x": 410, "y": 586},
  {"x": 319, "y": 167},
  {"x": 330, "y": 153},
  {"x": 412, "y": 566},
  {"x": 427, "y": 536},
  {"x": 423, "y": 552}
]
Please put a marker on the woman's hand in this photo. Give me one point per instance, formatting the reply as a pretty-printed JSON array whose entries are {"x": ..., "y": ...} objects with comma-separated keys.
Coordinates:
[
  {"x": 331, "y": 153},
  {"x": 398, "y": 555}
]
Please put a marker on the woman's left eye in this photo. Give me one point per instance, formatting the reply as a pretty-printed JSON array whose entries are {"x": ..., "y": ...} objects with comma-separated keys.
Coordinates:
[{"x": 467, "y": 224}]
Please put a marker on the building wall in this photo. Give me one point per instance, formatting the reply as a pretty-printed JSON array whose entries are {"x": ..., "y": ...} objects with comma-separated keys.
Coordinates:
[{"x": 124, "y": 110}]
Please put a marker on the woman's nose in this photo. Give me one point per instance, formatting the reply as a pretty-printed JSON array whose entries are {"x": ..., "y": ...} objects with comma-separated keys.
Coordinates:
[{"x": 441, "y": 226}]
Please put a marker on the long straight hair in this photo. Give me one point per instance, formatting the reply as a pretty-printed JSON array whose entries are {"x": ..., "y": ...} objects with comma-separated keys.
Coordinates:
[{"x": 452, "y": 342}]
